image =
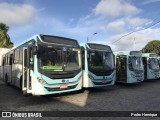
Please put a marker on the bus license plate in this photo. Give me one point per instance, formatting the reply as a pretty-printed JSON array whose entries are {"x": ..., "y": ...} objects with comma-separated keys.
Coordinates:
[
  {"x": 63, "y": 86},
  {"x": 104, "y": 81}
]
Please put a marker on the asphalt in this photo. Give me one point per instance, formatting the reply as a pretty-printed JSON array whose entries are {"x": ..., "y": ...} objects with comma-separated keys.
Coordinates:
[{"x": 120, "y": 97}]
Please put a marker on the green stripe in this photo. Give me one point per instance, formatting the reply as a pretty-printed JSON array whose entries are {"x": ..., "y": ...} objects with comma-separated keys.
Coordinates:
[
  {"x": 51, "y": 67},
  {"x": 96, "y": 67}
]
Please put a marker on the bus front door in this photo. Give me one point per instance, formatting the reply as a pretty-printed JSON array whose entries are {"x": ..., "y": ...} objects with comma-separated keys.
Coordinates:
[
  {"x": 145, "y": 67},
  {"x": 121, "y": 68},
  {"x": 26, "y": 76}
]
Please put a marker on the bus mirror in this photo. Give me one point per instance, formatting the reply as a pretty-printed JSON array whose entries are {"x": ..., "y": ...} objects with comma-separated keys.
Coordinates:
[
  {"x": 34, "y": 50},
  {"x": 88, "y": 56},
  {"x": 38, "y": 53},
  {"x": 31, "y": 60}
]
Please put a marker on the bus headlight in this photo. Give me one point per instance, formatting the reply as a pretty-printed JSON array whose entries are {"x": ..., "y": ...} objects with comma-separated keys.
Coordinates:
[
  {"x": 80, "y": 78},
  {"x": 41, "y": 81},
  {"x": 155, "y": 74},
  {"x": 113, "y": 76},
  {"x": 132, "y": 75}
]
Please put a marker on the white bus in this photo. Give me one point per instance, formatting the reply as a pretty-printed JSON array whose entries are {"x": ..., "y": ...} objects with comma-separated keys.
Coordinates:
[
  {"x": 3, "y": 51},
  {"x": 44, "y": 64},
  {"x": 98, "y": 65},
  {"x": 129, "y": 66},
  {"x": 151, "y": 66}
]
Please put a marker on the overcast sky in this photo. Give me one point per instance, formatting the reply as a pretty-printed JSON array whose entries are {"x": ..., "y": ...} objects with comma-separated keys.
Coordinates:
[{"x": 79, "y": 19}]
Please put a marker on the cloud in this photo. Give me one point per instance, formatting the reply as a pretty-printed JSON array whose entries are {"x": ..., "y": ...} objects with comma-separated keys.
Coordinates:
[
  {"x": 110, "y": 8},
  {"x": 14, "y": 14},
  {"x": 135, "y": 22},
  {"x": 150, "y": 1},
  {"x": 121, "y": 25},
  {"x": 85, "y": 26},
  {"x": 115, "y": 8},
  {"x": 148, "y": 23},
  {"x": 45, "y": 25},
  {"x": 108, "y": 29},
  {"x": 141, "y": 39},
  {"x": 116, "y": 26}
]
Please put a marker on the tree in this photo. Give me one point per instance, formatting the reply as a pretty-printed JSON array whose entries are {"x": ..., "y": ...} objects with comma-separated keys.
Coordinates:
[
  {"x": 4, "y": 37},
  {"x": 152, "y": 46}
]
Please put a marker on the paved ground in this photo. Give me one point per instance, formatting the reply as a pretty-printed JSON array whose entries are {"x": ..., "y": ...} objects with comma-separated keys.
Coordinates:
[{"x": 137, "y": 97}]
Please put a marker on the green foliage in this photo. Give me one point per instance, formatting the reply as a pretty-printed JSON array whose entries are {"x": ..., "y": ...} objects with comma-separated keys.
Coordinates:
[
  {"x": 152, "y": 46},
  {"x": 4, "y": 27},
  {"x": 4, "y": 37}
]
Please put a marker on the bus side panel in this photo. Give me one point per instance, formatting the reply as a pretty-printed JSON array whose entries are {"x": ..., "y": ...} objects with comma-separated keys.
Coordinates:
[
  {"x": 86, "y": 81},
  {"x": 16, "y": 74},
  {"x": 7, "y": 73}
]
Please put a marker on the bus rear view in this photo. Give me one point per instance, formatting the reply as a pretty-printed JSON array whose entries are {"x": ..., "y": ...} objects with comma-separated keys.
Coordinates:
[{"x": 98, "y": 65}]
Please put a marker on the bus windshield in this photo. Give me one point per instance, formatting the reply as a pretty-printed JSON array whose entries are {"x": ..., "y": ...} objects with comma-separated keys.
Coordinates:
[
  {"x": 153, "y": 63},
  {"x": 135, "y": 63},
  {"x": 100, "y": 60},
  {"x": 53, "y": 58}
]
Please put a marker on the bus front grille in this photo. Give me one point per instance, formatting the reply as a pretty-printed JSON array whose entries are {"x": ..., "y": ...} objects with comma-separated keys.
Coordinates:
[{"x": 100, "y": 83}]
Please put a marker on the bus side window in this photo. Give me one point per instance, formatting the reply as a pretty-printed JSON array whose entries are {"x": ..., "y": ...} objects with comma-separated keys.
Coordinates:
[
  {"x": 31, "y": 59},
  {"x": 10, "y": 59},
  {"x": 25, "y": 58},
  {"x": 6, "y": 60},
  {"x": 3, "y": 61}
]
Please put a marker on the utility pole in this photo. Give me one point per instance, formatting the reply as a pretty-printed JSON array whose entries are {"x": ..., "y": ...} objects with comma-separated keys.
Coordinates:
[
  {"x": 92, "y": 34},
  {"x": 87, "y": 39},
  {"x": 134, "y": 43}
]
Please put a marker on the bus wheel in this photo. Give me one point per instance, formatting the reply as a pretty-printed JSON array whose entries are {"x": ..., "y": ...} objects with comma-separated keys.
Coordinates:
[{"x": 25, "y": 93}]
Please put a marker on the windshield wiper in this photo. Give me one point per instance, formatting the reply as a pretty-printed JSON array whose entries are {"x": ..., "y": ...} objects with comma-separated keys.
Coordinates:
[{"x": 64, "y": 65}]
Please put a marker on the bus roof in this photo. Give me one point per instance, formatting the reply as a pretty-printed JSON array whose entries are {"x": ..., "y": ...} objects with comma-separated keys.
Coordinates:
[
  {"x": 47, "y": 40},
  {"x": 96, "y": 46},
  {"x": 31, "y": 38}
]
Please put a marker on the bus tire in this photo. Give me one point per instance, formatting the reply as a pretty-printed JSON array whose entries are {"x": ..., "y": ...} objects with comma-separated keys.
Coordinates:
[{"x": 25, "y": 93}]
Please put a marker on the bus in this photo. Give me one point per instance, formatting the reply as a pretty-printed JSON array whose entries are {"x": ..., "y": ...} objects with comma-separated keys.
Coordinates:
[
  {"x": 3, "y": 51},
  {"x": 44, "y": 64},
  {"x": 129, "y": 66},
  {"x": 98, "y": 65},
  {"x": 151, "y": 66},
  {"x": 158, "y": 60}
]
